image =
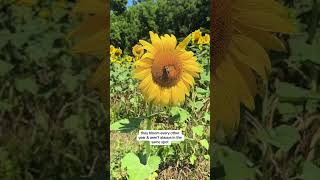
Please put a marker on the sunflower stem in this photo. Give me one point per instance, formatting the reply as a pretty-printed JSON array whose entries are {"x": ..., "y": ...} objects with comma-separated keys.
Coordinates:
[{"x": 149, "y": 122}]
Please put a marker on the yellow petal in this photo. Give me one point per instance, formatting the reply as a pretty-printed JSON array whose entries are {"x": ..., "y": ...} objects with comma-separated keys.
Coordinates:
[
  {"x": 96, "y": 44},
  {"x": 226, "y": 107},
  {"x": 265, "y": 21},
  {"x": 165, "y": 96},
  {"x": 235, "y": 82},
  {"x": 182, "y": 45},
  {"x": 147, "y": 46},
  {"x": 141, "y": 74},
  {"x": 145, "y": 82},
  {"x": 184, "y": 87},
  {"x": 147, "y": 56},
  {"x": 90, "y": 6},
  {"x": 188, "y": 78}
]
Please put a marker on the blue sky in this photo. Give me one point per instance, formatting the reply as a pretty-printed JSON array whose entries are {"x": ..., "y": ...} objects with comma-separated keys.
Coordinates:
[{"x": 129, "y": 3}]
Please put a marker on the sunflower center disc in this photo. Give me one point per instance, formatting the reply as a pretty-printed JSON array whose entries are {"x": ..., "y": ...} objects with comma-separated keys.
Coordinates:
[{"x": 166, "y": 69}]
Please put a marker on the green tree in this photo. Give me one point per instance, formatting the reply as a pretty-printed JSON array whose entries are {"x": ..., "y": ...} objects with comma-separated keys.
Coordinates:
[
  {"x": 178, "y": 17},
  {"x": 118, "y": 6}
]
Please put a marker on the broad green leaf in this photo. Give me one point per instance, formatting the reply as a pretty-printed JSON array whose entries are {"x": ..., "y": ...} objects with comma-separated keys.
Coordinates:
[
  {"x": 302, "y": 51},
  {"x": 289, "y": 110},
  {"x": 310, "y": 171},
  {"x": 283, "y": 137},
  {"x": 5, "y": 67},
  {"x": 204, "y": 143},
  {"x": 291, "y": 93},
  {"x": 153, "y": 163},
  {"x": 206, "y": 116},
  {"x": 126, "y": 125},
  {"x": 198, "y": 130},
  {"x": 235, "y": 164},
  {"x": 181, "y": 113},
  {"x": 192, "y": 158},
  {"x": 201, "y": 91},
  {"x": 26, "y": 84},
  {"x": 138, "y": 171}
]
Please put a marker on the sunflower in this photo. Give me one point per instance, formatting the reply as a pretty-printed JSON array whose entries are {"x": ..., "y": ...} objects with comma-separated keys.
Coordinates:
[
  {"x": 241, "y": 31},
  {"x": 196, "y": 35},
  {"x": 166, "y": 71},
  {"x": 112, "y": 50},
  {"x": 129, "y": 58},
  {"x": 118, "y": 52},
  {"x": 137, "y": 50},
  {"x": 206, "y": 39}
]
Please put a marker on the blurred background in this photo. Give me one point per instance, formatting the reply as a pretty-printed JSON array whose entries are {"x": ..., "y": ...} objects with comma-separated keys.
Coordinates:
[
  {"x": 280, "y": 139},
  {"x": 51, "y": 125}
]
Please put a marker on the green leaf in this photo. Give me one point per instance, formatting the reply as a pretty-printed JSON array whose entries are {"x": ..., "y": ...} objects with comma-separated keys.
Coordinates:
[
  {"x": 283, "y": 137},
  {"x": 310, "y": 171},
  {"x": 5, "y": 105},
  {"x": 207, "y": 156},
  {"x": 301, "y": 51},
  {"x": 291, "y": 93},
  {"x": 206, "y": 116},
  {"x": 235, "y": 164},
  {"x": 288, "y": 110},
  {"x": 153, "y": 163},
  {"x": 126, "y": 125},
  {"x": 181, "y": 113},
  {"x": 198, "y": 130},
  {"x": 70, "y": 82},
  {"x": 201, "y": 91},
  {"x": 26, "y": 84},
  {"x": 192, "y": 158},
  {"x": 5, "y": 67},
  {"x": 204, "y": 143},
  {"x": 138, "y": 171}
]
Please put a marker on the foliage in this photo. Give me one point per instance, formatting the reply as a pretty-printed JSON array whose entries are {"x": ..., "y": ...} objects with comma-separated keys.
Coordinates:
[
  {"x": 177, "y": 17},
  {"x": 280, "y": 139},
  {"x": 52, "y": 126}
]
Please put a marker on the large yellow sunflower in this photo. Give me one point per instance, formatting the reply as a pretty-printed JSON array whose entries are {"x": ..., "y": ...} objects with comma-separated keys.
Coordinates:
[
  {"x": 167, "y": 70},
  {"x": 241, "y": 31}
]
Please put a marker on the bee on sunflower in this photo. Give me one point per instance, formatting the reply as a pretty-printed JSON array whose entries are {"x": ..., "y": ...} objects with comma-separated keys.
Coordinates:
[
  {"x": 242, "y": 30},
  {"x": 166, "y": 70}
]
